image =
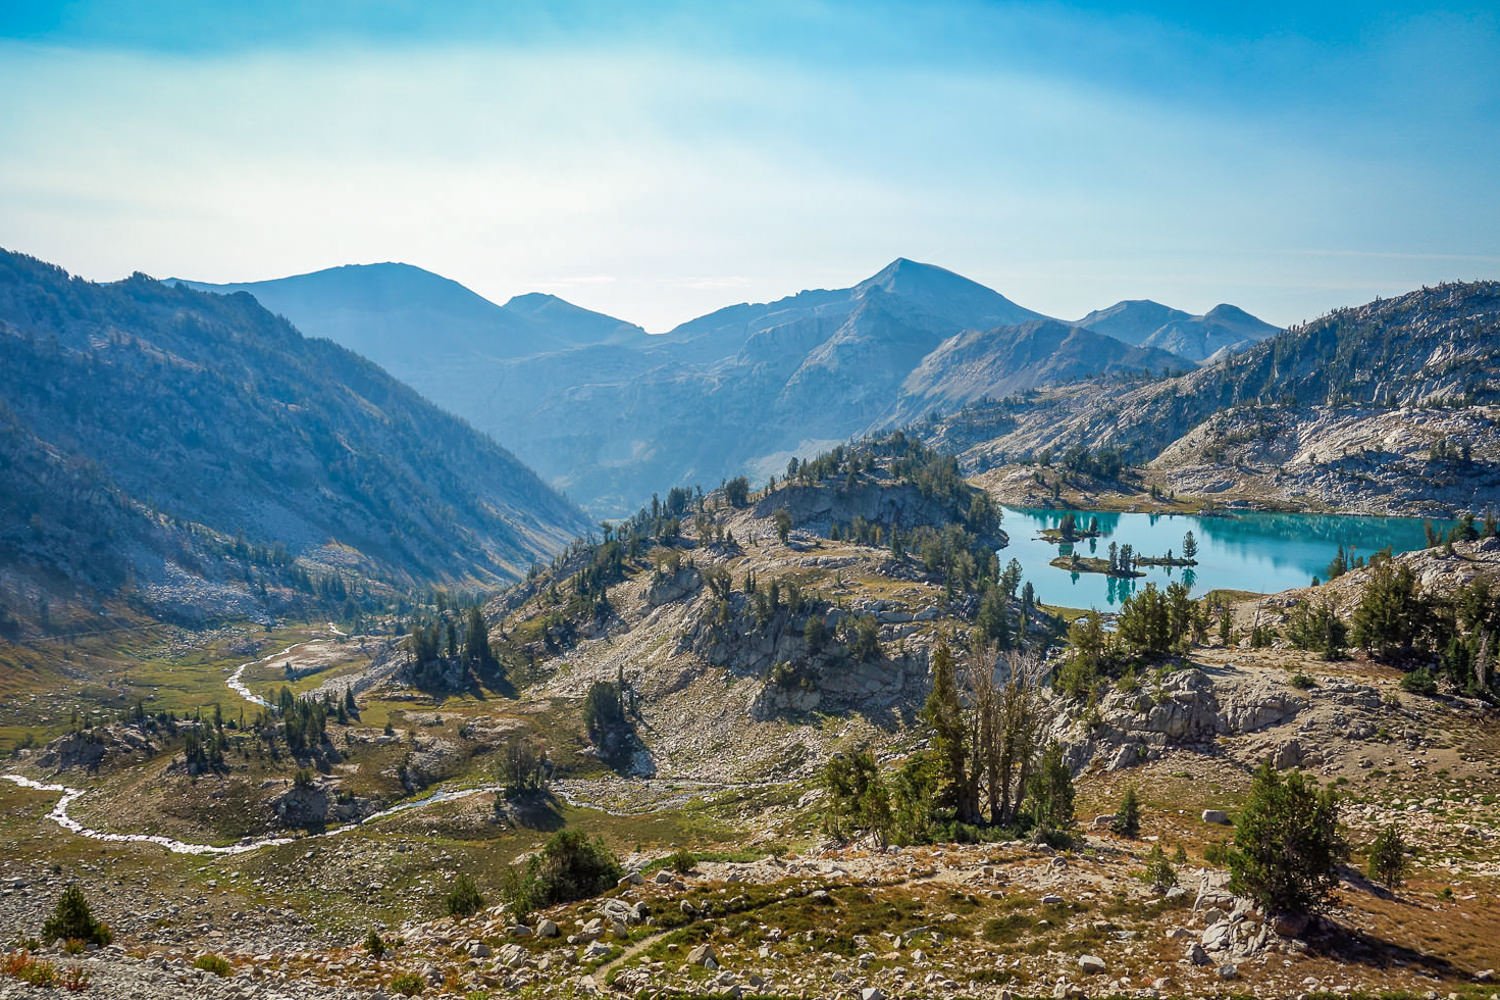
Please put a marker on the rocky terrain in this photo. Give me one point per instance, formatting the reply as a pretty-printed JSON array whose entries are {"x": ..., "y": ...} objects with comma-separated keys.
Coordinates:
[
  {"x": 1385, "y": 409},
  {"x": 733, "y": 711}
]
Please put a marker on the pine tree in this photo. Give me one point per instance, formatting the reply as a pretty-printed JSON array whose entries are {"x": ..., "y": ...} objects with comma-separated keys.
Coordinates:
[
  {"x": 1387, "y": 861},
  {"x": 1049, "y": 800},
  {"x": 1287, "y": 844},
  {"x": 944, "y": 713},
  {"x": 1189, "y": 547},
  {"x": 1127, "y": 821},
  {"x": 72, "y": 920},
  {"x": 464, "y": 899}
]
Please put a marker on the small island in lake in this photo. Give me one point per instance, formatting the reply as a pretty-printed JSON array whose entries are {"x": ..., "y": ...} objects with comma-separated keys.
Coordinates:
[
  {"x": 1122, "y": 561},
  {"x": 1092, "y": 564},
  {"x": 1069, "y": 530}
]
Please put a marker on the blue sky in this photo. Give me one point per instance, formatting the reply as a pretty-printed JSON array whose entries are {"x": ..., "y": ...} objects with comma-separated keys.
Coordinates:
[{"x": 656, "y": 161}]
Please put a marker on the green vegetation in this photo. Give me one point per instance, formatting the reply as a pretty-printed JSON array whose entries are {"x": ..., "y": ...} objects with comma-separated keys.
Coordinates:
[
  {"x": 1152, "y": 625},
  {"x": 216, "y": 964},
  {"x": 1419, "y": 681},
  {"x": 463, "y": 899},
  {"x": 1398, "y": 622},
  {"x": 1387, "y": 861},
  {"x": 571, "y": 865},
  {"x": 603, "y": 707},
  {"x": 1287, "y": 844},
  {"x": 374, "y": 944},
  {"x": 1160, "y": 874},
  {"x": 37, "y": 972},
  {"x": 407, "y": 984},
  {"x": 983, "y": 771},
  {"x": 1127, "y": 822},
  {"x": 72, "y": 920},
  {"x": 1319, "y": 629}
]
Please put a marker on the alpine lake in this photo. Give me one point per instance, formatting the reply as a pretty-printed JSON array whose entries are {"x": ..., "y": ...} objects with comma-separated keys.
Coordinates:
[{"x": 1245, "y": 550}]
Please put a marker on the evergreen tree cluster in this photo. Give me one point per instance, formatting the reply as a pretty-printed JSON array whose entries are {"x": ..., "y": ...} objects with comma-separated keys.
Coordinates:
[
  {"x": 1152, "y": 625},
  {"x": 1396, "y": 620},
  {"x": 984, "y": 768}
]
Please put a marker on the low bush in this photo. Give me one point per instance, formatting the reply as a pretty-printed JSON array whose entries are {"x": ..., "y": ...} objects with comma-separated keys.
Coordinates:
[
  {"x": 1419, "y": 681},
  {"x": 408, "y": 984},
  {"x": 21, "y": 966},
  {"x": 569, "y": 866},
  {"x": 464, "y": 899},
  {"x": 217, "y": 964},
  {"x": 73, "y": 920}
]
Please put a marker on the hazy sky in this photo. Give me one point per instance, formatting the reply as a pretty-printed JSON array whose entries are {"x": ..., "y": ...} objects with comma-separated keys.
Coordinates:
[{"x": 656, "y": 161}]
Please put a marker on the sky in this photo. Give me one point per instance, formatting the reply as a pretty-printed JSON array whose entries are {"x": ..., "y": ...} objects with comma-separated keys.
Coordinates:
[{"x": 656, "y": 161}]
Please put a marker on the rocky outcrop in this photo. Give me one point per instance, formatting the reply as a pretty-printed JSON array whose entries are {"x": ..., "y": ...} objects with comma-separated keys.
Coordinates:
[
  {"x": 88, "y": 749},
  {"x": 315, "y": 806},
  {"x": 1185, "y": 708},
  {"x": 675, "y": 585}
]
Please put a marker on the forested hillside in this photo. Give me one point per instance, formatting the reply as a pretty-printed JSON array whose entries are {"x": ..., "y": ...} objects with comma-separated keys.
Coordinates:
[{"x": 196, "y": 452}]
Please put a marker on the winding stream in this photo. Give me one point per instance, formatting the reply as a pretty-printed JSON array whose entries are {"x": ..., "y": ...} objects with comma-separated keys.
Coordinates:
[
  {"x": 566, "y": 791},
  {"x": 236, "y": 682},
  {"x": 59, "y": 815}
]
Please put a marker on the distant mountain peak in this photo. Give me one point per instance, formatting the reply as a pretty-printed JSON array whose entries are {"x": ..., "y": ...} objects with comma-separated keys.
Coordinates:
[{"x": 905, "y": 274}]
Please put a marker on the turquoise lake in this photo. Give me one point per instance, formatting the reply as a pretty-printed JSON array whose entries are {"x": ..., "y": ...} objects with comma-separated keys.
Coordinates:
[{"x": 1244, "y": 551}]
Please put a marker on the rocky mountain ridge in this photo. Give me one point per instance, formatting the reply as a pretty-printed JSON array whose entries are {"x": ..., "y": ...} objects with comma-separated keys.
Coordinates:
[
  {"x": 1386, "y": 408},
  {"x": 201, "y": 455},
  {"x": 608, "y": 413}
]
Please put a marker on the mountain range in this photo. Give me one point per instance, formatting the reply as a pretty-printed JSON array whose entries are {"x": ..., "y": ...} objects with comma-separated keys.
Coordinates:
[
  {"x": 1392, "y": 406},
  {"x": 1144, "y": 323},
  {"x": 193, "y": 451},
  {"x": 609, "y": 414}
]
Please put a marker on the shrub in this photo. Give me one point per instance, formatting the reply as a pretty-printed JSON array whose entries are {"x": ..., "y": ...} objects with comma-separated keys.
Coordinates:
[
  {"x": 1287, "y": 844},
  {"x": 375, "y": 944},
  {"x": 72, "y": 919},
  {"x": 1216, "y": 852},
  {"x": 681, "y": 861},
  {"x": 1419, "y": 681},
  {"x": 569, "y": 866},
  {"x": 1318, "y": 628},
  {"x": 217, "y": 964},
  {"x": 1160, "y": 874},
  {"x": 1302, "y": 682},
  {"x": 464, "y": 899},
  {"x": 1128, "y": 817},
  {"x": 603, "y": 707},
  {"x": 1387, "y": 861},
  {"x": 737, "y": 491},
  {"x": 1049, "y": 803},
  {"x": 20, "y": 965},
  {"x": 76, "y": 979},
  {"x": 408, "y": 984}
]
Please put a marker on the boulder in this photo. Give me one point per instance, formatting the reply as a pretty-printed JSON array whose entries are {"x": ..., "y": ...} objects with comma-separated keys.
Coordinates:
[
  {"x": 1216, "y": 816},
  {"x": 1092, "y": 964}
]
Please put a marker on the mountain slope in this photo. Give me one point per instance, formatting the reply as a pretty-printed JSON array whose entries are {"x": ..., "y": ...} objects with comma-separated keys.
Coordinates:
[
  {"x": 1011, "y": 359},
  {"x": 1372, "y": 407},
  {"x": 1145, "y": 323},
  {"x": 429, "y": 331},
  {"x": 609, "y": 414},
  {"x": 147, "y": 430}
]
